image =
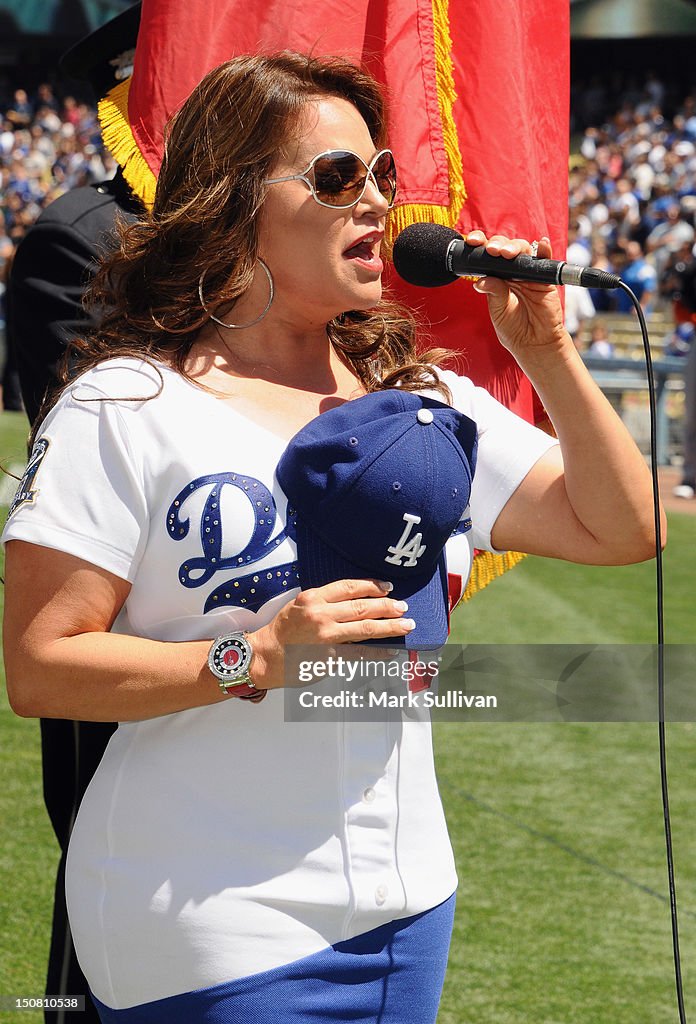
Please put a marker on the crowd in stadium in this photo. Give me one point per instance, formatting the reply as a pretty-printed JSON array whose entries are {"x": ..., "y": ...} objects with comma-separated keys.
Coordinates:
[
  {"x": 632, "y": 187},
  {"x": 632, "y": 193},
  {"x": 47, "y": 146}
]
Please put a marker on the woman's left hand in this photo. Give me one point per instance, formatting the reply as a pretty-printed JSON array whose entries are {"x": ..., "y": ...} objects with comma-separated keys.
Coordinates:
[{"x": 525, "y": 314}]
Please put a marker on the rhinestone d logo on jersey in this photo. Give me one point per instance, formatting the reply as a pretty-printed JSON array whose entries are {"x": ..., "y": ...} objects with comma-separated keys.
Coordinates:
[{"x": 242, "y": 590}]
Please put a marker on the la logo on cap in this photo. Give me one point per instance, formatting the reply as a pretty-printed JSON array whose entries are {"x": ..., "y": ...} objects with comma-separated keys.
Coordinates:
[{"x": 410, "y": 548}]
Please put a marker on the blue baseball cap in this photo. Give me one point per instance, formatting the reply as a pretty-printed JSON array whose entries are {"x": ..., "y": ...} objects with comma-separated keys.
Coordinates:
[{"x": 375, "y": 488}]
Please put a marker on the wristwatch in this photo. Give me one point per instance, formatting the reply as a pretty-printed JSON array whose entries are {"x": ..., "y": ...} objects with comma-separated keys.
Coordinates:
[{"x": 229, "y": 659}]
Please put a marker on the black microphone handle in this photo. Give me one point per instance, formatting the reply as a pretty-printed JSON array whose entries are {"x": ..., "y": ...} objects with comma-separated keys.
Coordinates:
[{"x": 463, "y": 260}]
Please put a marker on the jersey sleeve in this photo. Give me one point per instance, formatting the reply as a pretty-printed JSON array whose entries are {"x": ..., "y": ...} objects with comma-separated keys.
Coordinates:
[
  {"x": 508, "y": 447},
  {"x": 82, "y": 491}
]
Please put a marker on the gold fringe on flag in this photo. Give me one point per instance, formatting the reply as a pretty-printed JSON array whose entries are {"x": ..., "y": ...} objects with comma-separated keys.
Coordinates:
[
  {"x": 119, "y": 140},
  {"x": 411, "y": 213},
  {"x": 486, "y": 567}
]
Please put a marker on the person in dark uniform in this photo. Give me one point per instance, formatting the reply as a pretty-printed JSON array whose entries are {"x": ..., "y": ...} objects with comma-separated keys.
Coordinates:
[
  {"x": 53, "y": 264},
  {"x": 57, "y": 256},
  {"x": 685, "y": 310}
]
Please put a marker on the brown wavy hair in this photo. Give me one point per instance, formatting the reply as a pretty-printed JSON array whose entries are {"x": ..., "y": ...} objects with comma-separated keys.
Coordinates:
[{"x": 220, "y": 146}]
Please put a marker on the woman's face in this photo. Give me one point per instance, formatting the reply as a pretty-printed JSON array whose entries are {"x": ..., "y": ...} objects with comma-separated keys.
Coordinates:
[{"x": 324, "y": 261}]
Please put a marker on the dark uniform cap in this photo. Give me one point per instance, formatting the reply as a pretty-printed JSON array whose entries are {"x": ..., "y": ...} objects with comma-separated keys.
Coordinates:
[{"x": 89, "y": 59}]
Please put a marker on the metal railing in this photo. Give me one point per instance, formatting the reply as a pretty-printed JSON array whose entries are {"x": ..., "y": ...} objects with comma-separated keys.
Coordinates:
[{"x": 618, "y": 375}]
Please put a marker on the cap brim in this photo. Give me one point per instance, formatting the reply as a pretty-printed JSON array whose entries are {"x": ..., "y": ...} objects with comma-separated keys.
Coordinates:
[
  {"x": 88, "y": 59},
  {"x": 426, "y": 594}
]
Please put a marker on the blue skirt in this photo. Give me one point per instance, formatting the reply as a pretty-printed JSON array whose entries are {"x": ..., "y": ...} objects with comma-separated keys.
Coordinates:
[{"x": 389, "y": 975}]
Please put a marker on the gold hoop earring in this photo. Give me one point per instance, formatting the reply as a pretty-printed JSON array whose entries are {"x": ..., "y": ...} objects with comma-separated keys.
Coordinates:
[{"x": 238, "y": 327}]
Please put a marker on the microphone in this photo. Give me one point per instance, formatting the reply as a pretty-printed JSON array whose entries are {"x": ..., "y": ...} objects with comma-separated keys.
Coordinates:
[{"x": 430, "y": 255}]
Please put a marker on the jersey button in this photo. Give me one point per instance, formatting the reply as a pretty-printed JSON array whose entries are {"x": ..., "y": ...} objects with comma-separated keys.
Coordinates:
[
  {"x": 381, "y": 893},
  {"x": 369, "y": 795}
]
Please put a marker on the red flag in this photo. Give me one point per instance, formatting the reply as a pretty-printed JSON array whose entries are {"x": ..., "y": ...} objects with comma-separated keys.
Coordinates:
[
  {"x": 478, "y": 95},
  {"x": 479, "y": 119},
  {"x": 511, "y": 76}
]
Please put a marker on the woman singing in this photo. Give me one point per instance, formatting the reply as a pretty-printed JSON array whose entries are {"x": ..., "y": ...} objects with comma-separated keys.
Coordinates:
[{"x": 227, "y": 865}]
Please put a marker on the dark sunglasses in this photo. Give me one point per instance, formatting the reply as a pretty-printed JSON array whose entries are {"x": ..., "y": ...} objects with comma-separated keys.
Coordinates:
[{"x": 338, "y": 178}]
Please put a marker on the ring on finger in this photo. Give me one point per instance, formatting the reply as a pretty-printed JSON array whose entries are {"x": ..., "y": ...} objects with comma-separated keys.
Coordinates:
[{"x": 534, "y": 248}]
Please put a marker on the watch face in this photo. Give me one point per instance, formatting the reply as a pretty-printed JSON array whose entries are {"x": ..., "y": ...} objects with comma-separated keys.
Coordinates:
[{"x": 230, "y": 657}]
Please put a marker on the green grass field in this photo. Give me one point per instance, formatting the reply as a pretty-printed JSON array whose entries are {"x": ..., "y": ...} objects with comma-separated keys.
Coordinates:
[{"x": 562, "y": 910}]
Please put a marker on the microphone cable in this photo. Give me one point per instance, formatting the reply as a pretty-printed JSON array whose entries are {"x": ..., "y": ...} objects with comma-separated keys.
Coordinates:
[{"x": 660, "y": 652}]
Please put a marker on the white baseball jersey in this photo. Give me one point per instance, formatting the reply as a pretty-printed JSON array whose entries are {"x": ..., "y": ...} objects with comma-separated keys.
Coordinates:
[{"x": 223, "y": 841}]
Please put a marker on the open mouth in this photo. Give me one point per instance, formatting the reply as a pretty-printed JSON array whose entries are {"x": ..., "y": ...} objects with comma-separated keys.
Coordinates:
[{"x": 365, "y": 252}]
